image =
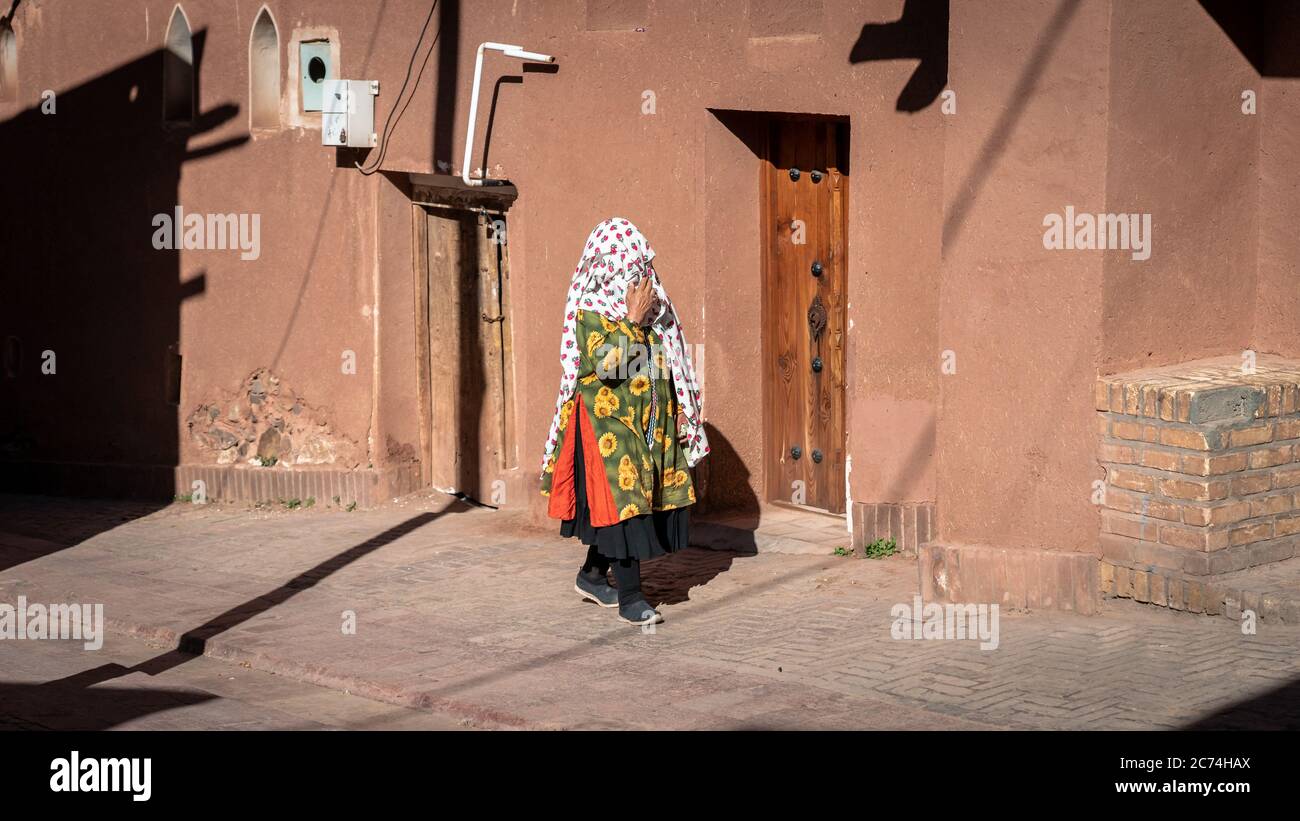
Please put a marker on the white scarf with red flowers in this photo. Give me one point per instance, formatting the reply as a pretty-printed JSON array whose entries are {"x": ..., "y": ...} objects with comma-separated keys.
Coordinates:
[{"x": 615, "y": 255}]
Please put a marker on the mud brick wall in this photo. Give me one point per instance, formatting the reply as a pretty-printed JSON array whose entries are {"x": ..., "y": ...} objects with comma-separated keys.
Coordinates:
[
  {"x": 1202, "y": 466},
  {"x": 909, "y": 524}
]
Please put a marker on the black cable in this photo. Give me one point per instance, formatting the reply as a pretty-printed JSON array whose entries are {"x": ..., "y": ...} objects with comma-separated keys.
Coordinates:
[{"x": 389, "y": 123}]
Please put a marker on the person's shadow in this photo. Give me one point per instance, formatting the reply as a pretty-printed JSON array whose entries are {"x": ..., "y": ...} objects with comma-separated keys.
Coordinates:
[{"x": 723, "y": 520}]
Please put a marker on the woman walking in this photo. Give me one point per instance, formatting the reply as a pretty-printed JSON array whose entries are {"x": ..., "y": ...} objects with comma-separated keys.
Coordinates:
[{"x": 627, "y": 421}]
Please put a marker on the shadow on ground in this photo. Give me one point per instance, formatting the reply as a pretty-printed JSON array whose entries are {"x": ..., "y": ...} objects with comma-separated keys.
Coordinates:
[{"x": 37, "y": 704}]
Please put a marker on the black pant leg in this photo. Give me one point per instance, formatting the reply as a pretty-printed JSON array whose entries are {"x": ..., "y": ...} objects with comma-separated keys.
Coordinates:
[
  {"x": 596, "y": 563},
  {"x": 627, "y": 574}
]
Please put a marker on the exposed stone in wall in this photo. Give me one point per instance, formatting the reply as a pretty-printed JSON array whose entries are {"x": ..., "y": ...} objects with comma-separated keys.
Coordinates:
[
  {"x": 401, "y": 453},
  {"x": 265, "y": 422}
]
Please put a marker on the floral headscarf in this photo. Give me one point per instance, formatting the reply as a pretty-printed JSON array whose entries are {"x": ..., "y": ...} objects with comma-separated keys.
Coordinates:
[{"x": 615, "y": 255}]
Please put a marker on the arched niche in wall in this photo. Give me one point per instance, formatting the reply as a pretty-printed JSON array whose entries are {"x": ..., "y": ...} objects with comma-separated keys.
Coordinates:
[
  {"x": 264, "y": 72},
  {"x": 8, "y": 62},
  {"x": 178, "y": 70}
]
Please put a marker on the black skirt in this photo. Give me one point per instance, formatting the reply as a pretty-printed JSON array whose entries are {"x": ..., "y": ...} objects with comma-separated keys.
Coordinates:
[{"x": 639, "y": 537}]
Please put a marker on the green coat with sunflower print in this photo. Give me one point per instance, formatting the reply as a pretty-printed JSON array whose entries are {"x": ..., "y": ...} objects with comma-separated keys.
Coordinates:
[{"x": 618, "y": 360}]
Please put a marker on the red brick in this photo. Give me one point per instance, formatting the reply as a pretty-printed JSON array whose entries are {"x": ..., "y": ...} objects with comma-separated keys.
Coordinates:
[
  {"x": 1287, "y": 429},
  {"x": 1180, "y": 438},
  {"x": 1142, "y": 585},
  {"x": 1123, "y": 582},
  {"x": 1132, "y": 399},
  {"x": 1121, "y": 429},
  {"x": 1199, "y": 465},
  {"x": 1286, "y": 478},
  {"x": 1168, "y": 405},
  {"x": 1121, "y": 525},
  {"x": 1220, "y": 515},
  {"x": 1253, "y": 435},
  {"x": 1251, "y": 533},
  {"x": 1161, "y": 509},
  {"x": 1117, "y": 397},
  {"x": 1194, "y": 489},
  {"x": 1270, "y": 457},
  {"x": 1160, "y": 460},
  {"x": 1103, "y": 396},
  {"x": 1158, "y": 555},
  {"x": 1107, "y": 578},
  {"x": 1270, "y": 505},
  {"x": 1121, "y": 454},
  {"x": 1131, "y": 480},
  {"x": 1159, "y": 596},
  {"x": 1286, "y": 525},
  {"x": 1150, "y": 401},
  {"x": 1126, "y": 502},
  {"x": 1246, "y": 485},
  {"x": 1182, "y": 537}
]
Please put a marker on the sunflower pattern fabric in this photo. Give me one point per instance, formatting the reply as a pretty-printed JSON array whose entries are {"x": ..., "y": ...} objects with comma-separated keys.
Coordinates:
[{"x": 614, "y": 393}]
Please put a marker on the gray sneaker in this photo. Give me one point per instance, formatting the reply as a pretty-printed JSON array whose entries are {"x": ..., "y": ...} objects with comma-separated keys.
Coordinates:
[
  {"x": 639, "y": 611},
  {"x": 596, "y": 589}
]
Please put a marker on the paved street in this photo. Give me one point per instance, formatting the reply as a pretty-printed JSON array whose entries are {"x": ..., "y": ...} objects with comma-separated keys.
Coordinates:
[
  {"x": 467, "y": 616},
  {"x": 58, "y": 686}
]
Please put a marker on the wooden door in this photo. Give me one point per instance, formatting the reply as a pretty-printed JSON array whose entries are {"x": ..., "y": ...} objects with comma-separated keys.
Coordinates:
[
  {"x": 804, "y": 234},
  {"x": 467, "y": 362}
]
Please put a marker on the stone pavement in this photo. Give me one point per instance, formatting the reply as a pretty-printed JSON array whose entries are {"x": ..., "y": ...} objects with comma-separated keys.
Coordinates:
[
  {"x": 49, "y": 685},
  {"x": 470, "y": 613}
]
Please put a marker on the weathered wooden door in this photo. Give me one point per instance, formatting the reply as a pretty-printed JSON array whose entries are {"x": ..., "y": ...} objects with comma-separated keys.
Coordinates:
[
  {"x": 805, "y": 193},
  {"x": 467, "y": 358}
]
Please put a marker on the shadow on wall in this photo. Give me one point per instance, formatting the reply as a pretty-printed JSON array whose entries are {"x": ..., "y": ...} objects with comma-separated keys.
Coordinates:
[
  {"x": 1018, "y": 100},
  {"x": 1265, "y": 32},
  {"x": 723, "y": 479},
  {"x": 91, "y": 315},
  {"x": 920, "y": 34}
]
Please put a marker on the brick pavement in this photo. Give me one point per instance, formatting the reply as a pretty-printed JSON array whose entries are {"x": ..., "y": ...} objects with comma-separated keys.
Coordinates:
[
  {"x": 471, "y": 613},
  {"x": 56, "y": 686}
]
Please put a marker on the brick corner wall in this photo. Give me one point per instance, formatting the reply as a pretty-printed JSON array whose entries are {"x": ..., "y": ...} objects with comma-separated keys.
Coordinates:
[{"x": 1202, "y": 465}]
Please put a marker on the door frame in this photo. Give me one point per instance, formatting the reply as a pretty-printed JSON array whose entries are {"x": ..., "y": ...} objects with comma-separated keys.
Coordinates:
[
  {"x": 773, "y": 449},
  {"x": 425, "y": 203}
]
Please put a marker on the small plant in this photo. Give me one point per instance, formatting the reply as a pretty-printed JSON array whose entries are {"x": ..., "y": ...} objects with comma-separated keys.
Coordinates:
[
  {"x": 266, "y": 461},
  {"x": 336, "y": 500},
  {"x": 351, "y": 507},
  {"x": 292, "y": 504},
  {"x": 311, "y": 502},
  {"x": 184, "y": 497},
  {"x": 881, "y": 548},
  {"x": 843, "y": 551}
]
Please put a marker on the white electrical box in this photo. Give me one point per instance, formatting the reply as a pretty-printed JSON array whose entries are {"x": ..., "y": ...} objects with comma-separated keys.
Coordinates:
[{"x": 348, "y": 113}]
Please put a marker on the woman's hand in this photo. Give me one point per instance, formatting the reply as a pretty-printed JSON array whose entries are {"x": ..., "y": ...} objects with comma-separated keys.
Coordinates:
[{"x": 642, "y": 304}]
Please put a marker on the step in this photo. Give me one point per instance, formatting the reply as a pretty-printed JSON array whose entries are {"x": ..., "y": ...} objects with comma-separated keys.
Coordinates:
[{"x": 1271, "y": 591}]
